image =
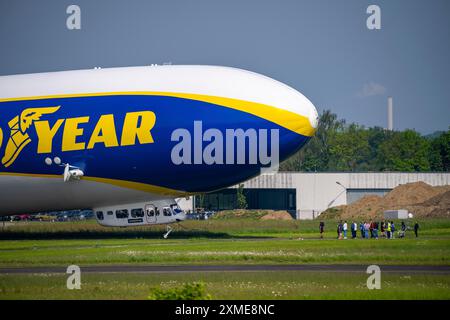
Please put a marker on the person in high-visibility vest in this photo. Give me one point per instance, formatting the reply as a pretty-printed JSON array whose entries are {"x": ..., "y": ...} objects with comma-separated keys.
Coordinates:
[
  {"x": 388, "y": 229},
  {"x": 392, "y": 230}
]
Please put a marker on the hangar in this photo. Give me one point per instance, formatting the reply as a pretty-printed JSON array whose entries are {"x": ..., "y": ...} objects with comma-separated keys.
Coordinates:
[{"x": 306, "y": 195}]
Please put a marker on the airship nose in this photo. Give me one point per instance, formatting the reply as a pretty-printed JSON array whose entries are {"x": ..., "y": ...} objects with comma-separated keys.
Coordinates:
[
  {"x": 313, "y": 116},
  {"x": 302, "y": 106},
  {"x": 301, "y": 116}
]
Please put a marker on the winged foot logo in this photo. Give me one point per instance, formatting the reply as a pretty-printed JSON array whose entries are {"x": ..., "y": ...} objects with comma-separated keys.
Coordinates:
[{"x": 18, "y": 137}]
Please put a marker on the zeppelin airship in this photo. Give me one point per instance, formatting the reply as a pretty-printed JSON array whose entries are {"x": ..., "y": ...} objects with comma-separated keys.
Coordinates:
[{"x": 126, "y": 142}]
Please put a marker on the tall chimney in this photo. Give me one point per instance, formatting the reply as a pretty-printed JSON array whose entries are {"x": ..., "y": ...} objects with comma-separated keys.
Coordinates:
[{"x": 390, "y": 114}]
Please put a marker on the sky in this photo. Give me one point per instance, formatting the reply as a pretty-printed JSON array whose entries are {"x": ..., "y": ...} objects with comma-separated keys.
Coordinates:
[{"x": 321, "y": 48}]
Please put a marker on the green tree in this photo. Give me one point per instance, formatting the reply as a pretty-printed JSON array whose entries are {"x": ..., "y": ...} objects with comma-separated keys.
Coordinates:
[
  {"x": 404, "y": 151},
  {"x": 439, "y": 155},
  {"x": 349, "y": 149},
  {"x": 200, "y": 201},
  {"x": 340, "y": 147},
  {"x": 376, "y": 136},
  {"x": 241, "y": 199}
]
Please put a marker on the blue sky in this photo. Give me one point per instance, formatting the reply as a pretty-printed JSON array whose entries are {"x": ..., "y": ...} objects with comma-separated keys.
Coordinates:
[{"x": 321, "y": 48}]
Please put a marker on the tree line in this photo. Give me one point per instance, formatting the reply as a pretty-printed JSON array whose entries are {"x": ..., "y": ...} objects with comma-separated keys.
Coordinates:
[{"x": 338, "y": 146}]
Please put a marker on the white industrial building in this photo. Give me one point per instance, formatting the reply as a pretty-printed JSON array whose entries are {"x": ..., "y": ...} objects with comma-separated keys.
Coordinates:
[{"x": 306, "y": 195}]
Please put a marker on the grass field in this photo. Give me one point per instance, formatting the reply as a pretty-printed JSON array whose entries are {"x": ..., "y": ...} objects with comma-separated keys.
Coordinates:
[
  {"x": 216, "y": 228},
  {"x": 217, "y": 242},
  {"x": 222, "y": 251},
  {"x": 231, "y": 285},
  {"x": 214, "y": 242}
]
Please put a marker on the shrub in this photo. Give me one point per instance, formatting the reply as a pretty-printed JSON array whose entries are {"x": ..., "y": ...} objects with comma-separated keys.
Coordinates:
[
  {"x": 189, "y": 291},
  {"x": 241, "y": 199}
]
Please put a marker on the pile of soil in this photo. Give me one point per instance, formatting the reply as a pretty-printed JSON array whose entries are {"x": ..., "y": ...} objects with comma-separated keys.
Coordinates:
[
  {"x": 412, "y": 193},
  {"x": 437, "y": 206},
  {"x": 277, "y": 215},
  {"x": 419, "y": 198},
  {"x": 254, "y": 214}
]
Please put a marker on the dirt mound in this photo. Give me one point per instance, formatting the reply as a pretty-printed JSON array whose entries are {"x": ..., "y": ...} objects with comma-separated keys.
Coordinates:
[
  {"x": 437, "y": 206},
  {"x": 277, "y": 215},
  {"x": 418, "y": 198},
  {"x": 442, "y": 200},
  {"x": 368, "y": 206},
  {"x": 411, "y": 193},
  {"x": 253, "y": 214}
]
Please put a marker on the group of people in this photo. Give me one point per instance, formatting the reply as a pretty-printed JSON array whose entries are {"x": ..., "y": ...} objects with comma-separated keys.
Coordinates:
[{"x": 369, "y": 230}]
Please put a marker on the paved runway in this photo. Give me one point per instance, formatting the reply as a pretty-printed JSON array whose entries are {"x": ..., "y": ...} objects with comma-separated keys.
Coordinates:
[{"x": 230, "y": 268}]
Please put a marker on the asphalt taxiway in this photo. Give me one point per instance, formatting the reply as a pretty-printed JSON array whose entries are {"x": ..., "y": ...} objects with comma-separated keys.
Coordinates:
[{"x": 231, "y": 268}]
